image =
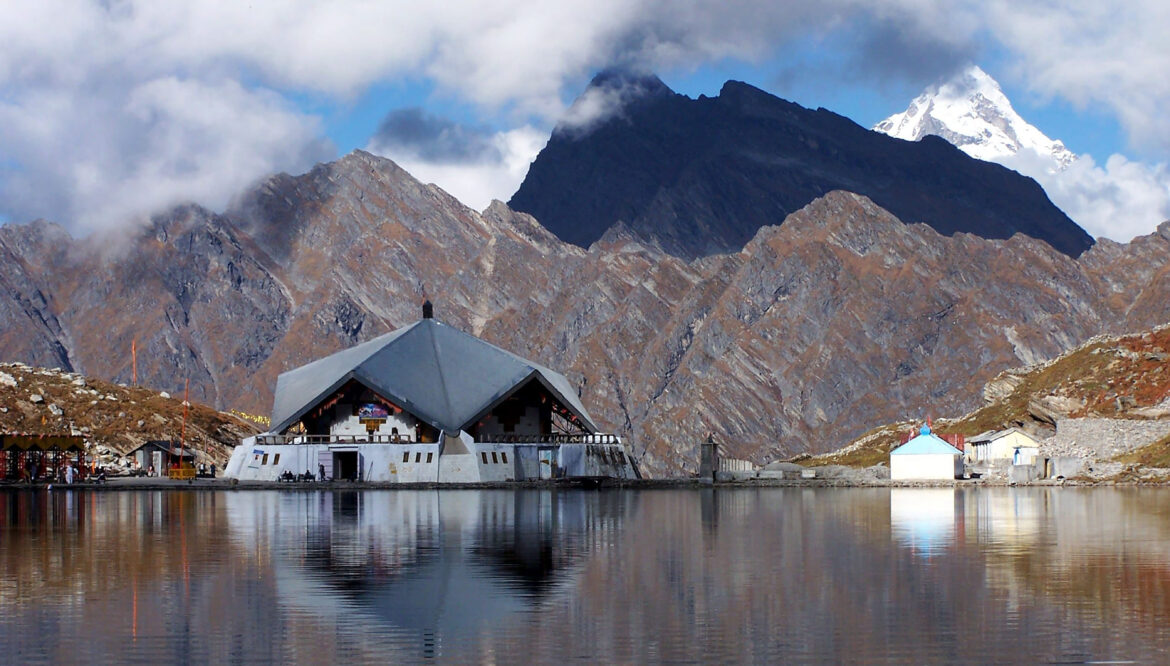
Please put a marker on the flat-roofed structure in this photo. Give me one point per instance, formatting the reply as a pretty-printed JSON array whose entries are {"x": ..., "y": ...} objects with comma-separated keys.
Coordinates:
[{"x": 428, "y": 403}]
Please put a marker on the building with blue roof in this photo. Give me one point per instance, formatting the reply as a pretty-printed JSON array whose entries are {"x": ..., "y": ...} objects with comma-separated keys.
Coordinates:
[{"x": 926, "y": 457}]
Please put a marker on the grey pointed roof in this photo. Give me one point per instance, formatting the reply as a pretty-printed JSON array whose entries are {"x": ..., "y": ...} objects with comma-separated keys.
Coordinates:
[{"x": 439, "y": 374}]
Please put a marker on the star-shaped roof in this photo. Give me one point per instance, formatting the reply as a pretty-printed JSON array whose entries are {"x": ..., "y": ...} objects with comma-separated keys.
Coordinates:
[{"x": 441, "y": 375}]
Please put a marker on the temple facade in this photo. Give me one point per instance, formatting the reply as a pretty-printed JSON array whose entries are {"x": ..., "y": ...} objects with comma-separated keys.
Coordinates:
[{"x": 428, "y": 403}]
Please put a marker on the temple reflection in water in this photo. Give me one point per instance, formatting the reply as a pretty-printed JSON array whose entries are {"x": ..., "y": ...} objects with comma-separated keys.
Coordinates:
[
  {"x": 542, "y": 575},
  {"x": 431, "y": 563}
]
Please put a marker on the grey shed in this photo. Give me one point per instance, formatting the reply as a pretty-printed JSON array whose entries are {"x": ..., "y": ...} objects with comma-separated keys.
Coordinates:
[{"x": 441, "y": 375}]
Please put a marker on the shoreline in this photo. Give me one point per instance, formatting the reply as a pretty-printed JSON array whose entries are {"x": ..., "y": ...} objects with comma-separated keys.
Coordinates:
[{"x": 158, "y": 484}]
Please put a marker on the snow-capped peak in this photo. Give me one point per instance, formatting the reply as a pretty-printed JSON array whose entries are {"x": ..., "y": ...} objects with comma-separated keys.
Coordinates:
[{"x": 972, "y": 112}]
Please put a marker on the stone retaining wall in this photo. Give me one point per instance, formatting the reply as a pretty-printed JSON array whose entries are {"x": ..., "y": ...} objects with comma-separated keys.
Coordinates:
[{"x": 1096, "y": 438}]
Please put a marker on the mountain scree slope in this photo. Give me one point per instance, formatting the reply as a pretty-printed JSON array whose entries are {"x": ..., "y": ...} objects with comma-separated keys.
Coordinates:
[{"x": 816, "y": 329}]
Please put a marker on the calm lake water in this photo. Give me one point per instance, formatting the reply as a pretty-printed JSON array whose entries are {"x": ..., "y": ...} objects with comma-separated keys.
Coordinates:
[{"x": 765, "y": 575}]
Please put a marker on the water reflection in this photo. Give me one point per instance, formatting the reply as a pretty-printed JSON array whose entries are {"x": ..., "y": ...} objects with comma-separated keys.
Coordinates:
[
  {"x": 535, "y": 575},
  {"x": 432, "y": 565},
  {"x": 923, "y": 519},
  {"x": 1013, "y": 518}
]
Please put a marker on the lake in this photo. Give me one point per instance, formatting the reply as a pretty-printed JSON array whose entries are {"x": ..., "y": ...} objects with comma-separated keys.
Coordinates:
[{"x": 682, "y": 575}]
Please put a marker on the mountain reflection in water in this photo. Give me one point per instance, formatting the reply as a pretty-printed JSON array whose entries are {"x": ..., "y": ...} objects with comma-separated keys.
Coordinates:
[{"x": 1003, "y": 574}]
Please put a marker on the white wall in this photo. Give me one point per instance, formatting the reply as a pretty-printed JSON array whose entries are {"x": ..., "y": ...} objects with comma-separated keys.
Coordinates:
[
  {"x": 1005, "y": 447},
  {"x": 496, "y": 462},
  {"x": 380, "y": 463},
  {"x": 408, "y": 463},
  {"x": 925, "y": 466},
  {"x": 1028, "y": 455},
  {"x": 344, "y": 422},
  {"x": 427, "y": 463},
  {"x": 595, "y": 460},
  {"x": 736, "y": 465}
]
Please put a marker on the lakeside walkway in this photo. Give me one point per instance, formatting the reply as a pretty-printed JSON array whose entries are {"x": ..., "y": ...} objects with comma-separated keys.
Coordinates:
[{"x": 204, "y": 484}]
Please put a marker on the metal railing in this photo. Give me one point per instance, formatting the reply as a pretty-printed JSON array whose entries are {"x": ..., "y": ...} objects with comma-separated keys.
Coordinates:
[
  {"x": 334, "y": 439},
  {"x": 503, "y": 438},
  {"x": 511, "y": 438}
]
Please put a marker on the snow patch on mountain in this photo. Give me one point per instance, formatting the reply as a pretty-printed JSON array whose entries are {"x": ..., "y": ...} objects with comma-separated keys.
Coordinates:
[
  {"x": 1119, "y": 199},
  {"x": 972, "y": 113}
]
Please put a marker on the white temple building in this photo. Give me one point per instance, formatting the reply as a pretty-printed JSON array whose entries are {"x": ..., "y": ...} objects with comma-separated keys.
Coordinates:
[
  {"x": 428, "y": 403},
  {"x": 927, "y": 456}
]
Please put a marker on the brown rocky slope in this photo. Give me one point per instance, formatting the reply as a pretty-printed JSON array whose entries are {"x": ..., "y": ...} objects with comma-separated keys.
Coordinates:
[
  {"x": 840, "y": 318},
  {"x": 1110, "y": 380},
  {"x": 114, "y": 419}
]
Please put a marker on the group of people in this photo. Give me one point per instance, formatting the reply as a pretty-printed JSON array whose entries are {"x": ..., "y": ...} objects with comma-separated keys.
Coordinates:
[
  {"x": 202, "y": 470},
  {"x": 307, "y": 476},
  {"x": 68, "y": 474}
]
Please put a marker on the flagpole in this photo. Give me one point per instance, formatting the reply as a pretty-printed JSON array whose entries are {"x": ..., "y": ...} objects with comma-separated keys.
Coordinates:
[{"x": 183, "y": 432}]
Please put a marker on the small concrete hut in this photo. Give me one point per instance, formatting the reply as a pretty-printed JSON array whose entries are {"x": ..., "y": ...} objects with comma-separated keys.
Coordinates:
[
  {"x": 926, "y": 457},
  {"x": 1011, "y": 444}
]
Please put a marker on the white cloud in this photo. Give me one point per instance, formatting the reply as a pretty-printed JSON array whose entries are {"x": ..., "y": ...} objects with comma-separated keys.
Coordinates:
[
  {"x": 1121, "y": 200},
  {"x": 1092, "y": 53},
  {"x": 609, "y": 94},
  {"x": 96, "y": 160},
  {"x": 113, "y": 107},
  {"x": 489, "y": 174}
]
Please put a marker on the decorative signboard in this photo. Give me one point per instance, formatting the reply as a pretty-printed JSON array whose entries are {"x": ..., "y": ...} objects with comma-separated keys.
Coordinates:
[
  {"x": 372, "y": 410},
  {"x": 372, "y": 415}
]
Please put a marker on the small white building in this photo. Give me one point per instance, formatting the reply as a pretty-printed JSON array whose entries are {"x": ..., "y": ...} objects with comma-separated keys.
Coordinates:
[
  {"x": 927, "y": 456},
  {"x": 1013, "y": 445}
]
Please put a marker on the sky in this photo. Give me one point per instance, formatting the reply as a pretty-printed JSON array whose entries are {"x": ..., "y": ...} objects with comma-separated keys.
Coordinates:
[{"x": 111, "y": 110}]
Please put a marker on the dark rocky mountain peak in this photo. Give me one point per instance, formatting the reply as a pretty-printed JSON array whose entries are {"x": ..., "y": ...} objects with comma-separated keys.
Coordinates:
[
  {"x": 701, "y": 177},
  {"x": 620, "y": 78},
  {"x": 610, "y": 97},
  {"x": 634, "y": 84}
]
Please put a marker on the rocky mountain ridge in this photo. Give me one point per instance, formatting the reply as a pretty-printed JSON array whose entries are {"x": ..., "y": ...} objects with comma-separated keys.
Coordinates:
[
  {"x": 696, "y": 177},
  {"x": 842, "y": 317}
]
